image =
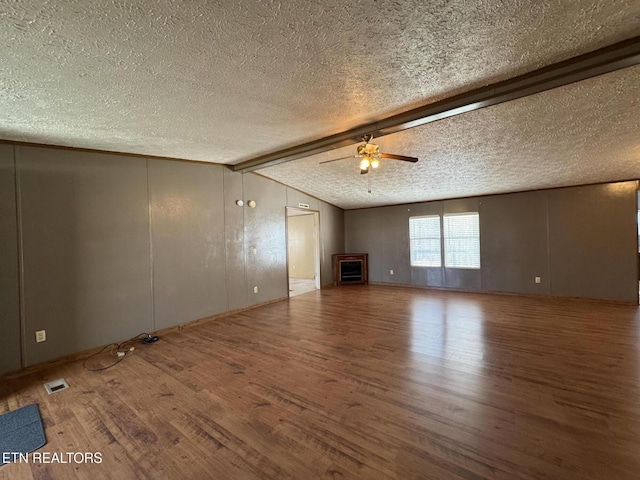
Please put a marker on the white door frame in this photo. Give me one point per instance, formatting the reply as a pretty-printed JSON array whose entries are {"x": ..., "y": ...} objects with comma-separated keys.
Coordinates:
[{"x": 294, "y": 211}]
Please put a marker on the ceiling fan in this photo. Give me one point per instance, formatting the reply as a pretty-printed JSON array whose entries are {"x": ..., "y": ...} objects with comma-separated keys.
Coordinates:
[{"x": 369, "y": 155}]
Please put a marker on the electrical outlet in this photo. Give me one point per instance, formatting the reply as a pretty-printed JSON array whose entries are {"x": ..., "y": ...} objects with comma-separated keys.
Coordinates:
[
  {"x": 255, "y": 289},
  {"x": 254, "y": 251},
  {"x": 537, "y": 279},
  {"x": 41, "y": 336},
  {"x": 390, "y": 272}
]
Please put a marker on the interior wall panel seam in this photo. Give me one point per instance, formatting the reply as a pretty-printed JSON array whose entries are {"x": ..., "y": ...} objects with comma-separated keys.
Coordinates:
[
  {"x": 320, "y": 243},
  {"x": 549, "y": 279},
  {"x": 480, "y": 242},
  {"x": 245, "y": 255},
  {"x": 443, "y": 269},
  {"x": 226, "y": 237},
  {"x": 21, "y": 283},
  {"x": 151, "y": 258}
]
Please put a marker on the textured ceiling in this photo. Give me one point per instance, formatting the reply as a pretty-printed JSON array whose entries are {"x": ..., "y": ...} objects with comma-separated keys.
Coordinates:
[
  {"x": 226, "y": 81},
  {"x": 586, "y": 132}
]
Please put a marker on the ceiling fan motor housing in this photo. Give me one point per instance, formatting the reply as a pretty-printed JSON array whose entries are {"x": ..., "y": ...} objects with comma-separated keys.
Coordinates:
[{"x": 368, "y": 149}]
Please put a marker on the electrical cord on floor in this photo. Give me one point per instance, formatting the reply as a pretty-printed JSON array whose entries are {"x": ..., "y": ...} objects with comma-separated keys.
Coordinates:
[{"x": 121, "y": 350}]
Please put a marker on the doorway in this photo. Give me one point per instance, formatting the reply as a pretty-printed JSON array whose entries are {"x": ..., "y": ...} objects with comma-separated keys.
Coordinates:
[{"x": 303, "y": 250}]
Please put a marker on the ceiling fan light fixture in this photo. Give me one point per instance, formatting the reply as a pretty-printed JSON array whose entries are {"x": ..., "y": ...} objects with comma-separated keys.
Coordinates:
[{"x": 369, "y": 157}]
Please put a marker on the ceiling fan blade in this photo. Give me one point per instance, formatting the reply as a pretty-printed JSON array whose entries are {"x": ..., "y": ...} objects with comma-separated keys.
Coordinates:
[
  {"x": 336, "y": 159},
  {"x": 399, "y": 157}
]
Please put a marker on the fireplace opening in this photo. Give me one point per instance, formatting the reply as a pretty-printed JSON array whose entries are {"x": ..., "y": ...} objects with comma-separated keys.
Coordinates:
[{"x": 351, "y": 271}]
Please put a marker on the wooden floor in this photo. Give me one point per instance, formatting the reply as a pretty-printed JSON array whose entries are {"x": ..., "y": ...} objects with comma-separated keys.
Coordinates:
[{"x": 360, "y": 382}]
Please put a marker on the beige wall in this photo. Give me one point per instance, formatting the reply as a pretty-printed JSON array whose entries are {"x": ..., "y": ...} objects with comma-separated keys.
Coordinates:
[{"x": 300, "y": 231}]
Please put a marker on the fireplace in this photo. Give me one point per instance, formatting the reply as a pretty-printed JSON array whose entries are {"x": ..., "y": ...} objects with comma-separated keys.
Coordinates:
[{"x": 350, "y": 269}]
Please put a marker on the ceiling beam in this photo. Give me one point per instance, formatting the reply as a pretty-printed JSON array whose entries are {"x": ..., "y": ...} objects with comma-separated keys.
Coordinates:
[{"x": 614, "y": 57}]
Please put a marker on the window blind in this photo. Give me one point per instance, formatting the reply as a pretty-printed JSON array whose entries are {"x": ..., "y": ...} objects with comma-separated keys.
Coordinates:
[
  {"x": 424, "y": 237},
  {"x": 462, "y": 240}
]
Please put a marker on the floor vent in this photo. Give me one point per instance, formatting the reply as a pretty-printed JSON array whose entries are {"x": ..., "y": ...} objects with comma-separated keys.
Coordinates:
[{"x": 56, "y": 385}]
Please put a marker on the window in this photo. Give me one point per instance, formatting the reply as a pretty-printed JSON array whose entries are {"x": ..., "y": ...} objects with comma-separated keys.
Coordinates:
[
  {"x": 424, "y": 241},
  {"x": 462, "y": 240}
]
